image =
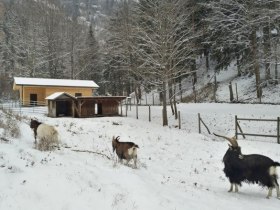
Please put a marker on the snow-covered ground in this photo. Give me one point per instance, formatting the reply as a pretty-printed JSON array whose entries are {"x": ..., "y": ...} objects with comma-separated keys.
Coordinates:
[{"x": 177, "y": 169}]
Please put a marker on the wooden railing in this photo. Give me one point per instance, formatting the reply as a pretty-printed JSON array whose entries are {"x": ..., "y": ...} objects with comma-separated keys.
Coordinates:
[{"x": 239, "y": 131}]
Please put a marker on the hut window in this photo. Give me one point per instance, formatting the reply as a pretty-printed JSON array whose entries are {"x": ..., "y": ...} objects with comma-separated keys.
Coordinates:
[{"x": 78, "y": 94}]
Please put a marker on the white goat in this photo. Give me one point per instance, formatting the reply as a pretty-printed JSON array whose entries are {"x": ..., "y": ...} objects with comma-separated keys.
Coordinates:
[{"x": 47, "y": 135}]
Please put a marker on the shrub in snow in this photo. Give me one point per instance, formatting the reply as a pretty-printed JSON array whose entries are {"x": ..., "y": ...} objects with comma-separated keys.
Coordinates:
[{"x": 9, "y": 123}]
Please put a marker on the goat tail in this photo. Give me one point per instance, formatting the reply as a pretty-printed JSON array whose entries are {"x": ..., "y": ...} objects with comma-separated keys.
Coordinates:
[
  {"x": 276, "y": 164},
  {"x": 136, "y": 146}
]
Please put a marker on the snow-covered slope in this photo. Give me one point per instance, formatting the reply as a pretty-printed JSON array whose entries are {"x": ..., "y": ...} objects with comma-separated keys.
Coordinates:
[{"x": 178, "y": 169}]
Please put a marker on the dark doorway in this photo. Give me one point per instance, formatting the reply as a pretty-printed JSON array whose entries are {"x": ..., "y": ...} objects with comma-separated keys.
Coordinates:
[
  {"x": 78, "y": 94},
  {"x": 99, "y": 108},
  {"x": 33, "y": 99},
  {"x": 63, "y": 108}
]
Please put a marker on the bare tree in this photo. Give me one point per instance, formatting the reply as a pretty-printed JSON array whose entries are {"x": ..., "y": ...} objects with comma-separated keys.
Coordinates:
[{"x": 163, "y": 40}]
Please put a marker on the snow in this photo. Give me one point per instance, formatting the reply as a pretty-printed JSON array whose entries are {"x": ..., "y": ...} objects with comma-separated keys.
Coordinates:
[
  {"x": 55, "y": 82},
  {"x": 57, "y": 95},
  {"x": 178, "y": 169}
]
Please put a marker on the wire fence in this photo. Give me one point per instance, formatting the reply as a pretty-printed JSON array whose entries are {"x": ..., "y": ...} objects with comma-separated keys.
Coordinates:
[{"x": 17, "y": 106}]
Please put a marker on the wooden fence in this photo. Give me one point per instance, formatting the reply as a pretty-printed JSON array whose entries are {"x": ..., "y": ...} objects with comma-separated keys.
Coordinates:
[
  {"x": 199, "y": 124},
  {"x": 238, "y": 130},
  {"x": 128, "y": 107}
]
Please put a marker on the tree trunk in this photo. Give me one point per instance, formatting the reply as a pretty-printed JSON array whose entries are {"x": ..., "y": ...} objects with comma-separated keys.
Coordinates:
[
  {"x": 267, "y": 51},
  {"x": 171, "y": 96},
  {"x": 206, "y": 53},
  {"x": 180, "y": 89},
  {"x": 139, "y": 93},
  {"x": 230, "y": 92},
  {"x": 276, "y": 65},
  {"x": 256, "y": 62},
  {"x": 194, "y": 78},
  {"x": 238, "y": 63},
  {"x": 164, "y": 105},
  {"x": 136, "y": 95},
  {"x": 174, "y": 102},
  {"x": 215, "y": 87}
]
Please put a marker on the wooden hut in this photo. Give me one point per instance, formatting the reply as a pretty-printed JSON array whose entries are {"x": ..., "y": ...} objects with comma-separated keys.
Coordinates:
[
  {"x": 33, "y": 91},
  {"x": 98, "y": 106},
  {"x": 61, "y": 104}
]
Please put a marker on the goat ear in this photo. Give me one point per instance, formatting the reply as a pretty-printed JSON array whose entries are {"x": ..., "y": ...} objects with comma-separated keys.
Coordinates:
[{"x": 230, "y": 147}]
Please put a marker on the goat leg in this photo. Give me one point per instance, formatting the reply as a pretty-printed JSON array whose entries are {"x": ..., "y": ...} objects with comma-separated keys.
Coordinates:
[
  {"x": 277, "y": 191},
  {"x": 236, "y": 188},
  {"x": 231, "y": 187},
  {"x": 120, "y": 160},
  {"x": 277, "y": 188},
  {"x": 269, "y": 193},
  {"x": 135, "y": 161},
  {"x": 127, "y": 161}
]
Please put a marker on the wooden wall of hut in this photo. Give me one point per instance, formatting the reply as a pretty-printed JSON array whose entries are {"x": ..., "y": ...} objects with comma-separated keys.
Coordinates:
[
  {"x": 88, "y": 108},
  {"x": 110, "y": 108}
]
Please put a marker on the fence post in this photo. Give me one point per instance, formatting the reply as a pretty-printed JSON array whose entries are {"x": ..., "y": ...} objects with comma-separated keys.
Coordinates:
[
  {"x": 146, "y": 99},
  {"x": 278, "y": 130},
  {"x": 236, "y": 91},
  {"x": 149, "y": 113},
  {"x": 153, "y": 100},
  {"x": 199, "y": 128},
  {"x": 126, "y": 108},
  {"x": 137, "y": 111},
  {"x": 236, "y": 127},
  {"x": 179, "y": 118}
]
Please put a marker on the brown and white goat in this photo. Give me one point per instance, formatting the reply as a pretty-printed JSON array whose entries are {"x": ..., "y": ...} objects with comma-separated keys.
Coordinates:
[
  {"x": 46, "y": 134},
  {"x": 125, "y": 150}
]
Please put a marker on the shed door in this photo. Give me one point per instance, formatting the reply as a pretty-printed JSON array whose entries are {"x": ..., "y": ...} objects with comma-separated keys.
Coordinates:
[
  {"x": 63, "y": 108},
  {"x": 99, "y": 108},
  {"x": 33, "y": 99}
]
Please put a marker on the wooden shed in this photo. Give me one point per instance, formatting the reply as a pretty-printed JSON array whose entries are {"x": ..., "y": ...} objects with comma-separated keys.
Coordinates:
[
  {"x": 61, "y": 104},
  {"x": 33, "y": 91},
  {"x": 98, "y": 106},
  {"x": 64, "y": 104}
]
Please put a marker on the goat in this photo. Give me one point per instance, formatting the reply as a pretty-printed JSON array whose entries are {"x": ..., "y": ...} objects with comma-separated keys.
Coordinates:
[
  {"x": 47, "y": 135},
  {"x": 125, "y": 150},
  {"x": 253, "y": 168}
]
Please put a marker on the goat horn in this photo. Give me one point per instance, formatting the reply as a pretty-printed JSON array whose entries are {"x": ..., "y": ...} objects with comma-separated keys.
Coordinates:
[{"x": 231, "y": 140}]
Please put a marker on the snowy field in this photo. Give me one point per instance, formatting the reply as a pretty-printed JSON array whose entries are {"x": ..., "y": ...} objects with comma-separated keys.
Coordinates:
[{"x": 177, "y": 169}]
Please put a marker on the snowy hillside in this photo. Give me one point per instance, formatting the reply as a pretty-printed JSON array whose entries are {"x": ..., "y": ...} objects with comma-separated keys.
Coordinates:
[{"x": 178, "y": 169}]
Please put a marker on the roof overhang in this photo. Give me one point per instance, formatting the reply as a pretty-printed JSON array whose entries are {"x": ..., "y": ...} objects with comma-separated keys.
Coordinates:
[
  {"x": 25, "y": 81},
  {"x": 101, "y": 98},
  {"x": 59, "y": 95}
]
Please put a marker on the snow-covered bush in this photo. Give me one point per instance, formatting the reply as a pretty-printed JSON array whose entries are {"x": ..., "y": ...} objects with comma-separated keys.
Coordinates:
[{"x": 9, "y": 124}]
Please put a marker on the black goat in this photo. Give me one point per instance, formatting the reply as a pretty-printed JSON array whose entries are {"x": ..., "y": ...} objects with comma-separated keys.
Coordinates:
[{"x": 254, "y": 168}]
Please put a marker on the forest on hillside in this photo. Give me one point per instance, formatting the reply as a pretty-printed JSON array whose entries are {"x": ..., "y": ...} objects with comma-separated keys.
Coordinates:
[{"x": 122, "y": 44}]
